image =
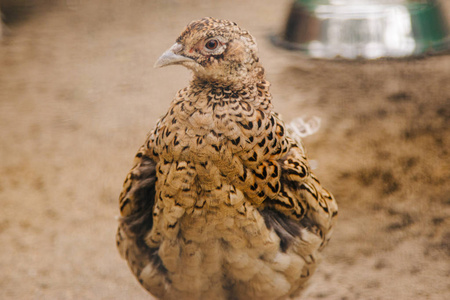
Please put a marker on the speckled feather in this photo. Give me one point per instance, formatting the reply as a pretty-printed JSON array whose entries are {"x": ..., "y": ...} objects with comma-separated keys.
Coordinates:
[{"x": 221, "y": 202}]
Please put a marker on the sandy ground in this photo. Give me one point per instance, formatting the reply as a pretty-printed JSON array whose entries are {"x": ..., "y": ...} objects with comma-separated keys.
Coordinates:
[{"x": 78, "y": 95}]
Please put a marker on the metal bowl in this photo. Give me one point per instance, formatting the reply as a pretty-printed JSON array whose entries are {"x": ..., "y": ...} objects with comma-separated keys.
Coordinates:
[{"x": 367, "y": 29}]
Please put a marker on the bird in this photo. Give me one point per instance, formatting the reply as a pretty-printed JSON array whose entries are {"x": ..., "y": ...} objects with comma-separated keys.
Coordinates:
[{"x": 221, "y": 202}]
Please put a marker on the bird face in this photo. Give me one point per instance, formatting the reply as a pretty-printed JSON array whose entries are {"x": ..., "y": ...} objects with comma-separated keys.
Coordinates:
[{"x": 215, "y": 50}]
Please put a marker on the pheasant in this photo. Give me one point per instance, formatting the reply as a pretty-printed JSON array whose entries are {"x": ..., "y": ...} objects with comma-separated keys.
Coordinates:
[{"x": 221, "y": 202}]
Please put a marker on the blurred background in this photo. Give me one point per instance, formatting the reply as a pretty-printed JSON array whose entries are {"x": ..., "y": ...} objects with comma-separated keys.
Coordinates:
[{"x": 78, "y": 94}]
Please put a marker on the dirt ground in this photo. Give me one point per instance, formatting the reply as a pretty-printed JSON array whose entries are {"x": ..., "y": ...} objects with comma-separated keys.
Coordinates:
[{"x": 78, "y": 95}]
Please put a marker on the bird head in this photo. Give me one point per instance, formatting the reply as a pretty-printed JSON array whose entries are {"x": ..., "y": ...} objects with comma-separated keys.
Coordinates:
[{"x": 216, "y": 51}]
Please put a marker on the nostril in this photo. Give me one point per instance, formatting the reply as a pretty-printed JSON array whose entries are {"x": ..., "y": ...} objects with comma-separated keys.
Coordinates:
[{"x": 176, "y": 48}]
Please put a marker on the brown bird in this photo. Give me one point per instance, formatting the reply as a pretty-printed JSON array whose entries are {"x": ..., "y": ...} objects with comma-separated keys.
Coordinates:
[{"x": 221, "y": 202}]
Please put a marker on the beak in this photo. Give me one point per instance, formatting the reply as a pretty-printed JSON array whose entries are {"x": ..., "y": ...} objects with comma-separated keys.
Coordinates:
[{"x": 170, "y": 57}]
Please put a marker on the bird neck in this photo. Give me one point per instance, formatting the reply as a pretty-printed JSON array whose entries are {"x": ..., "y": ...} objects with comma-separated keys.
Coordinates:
[{"x": 232, "y": 82}]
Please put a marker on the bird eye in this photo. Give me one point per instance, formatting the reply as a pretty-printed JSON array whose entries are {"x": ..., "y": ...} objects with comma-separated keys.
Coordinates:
[{"x": 212, "y": 44}]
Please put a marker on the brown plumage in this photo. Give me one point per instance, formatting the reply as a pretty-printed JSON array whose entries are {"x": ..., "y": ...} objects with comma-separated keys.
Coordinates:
[{"x": 221, "y": 202}]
